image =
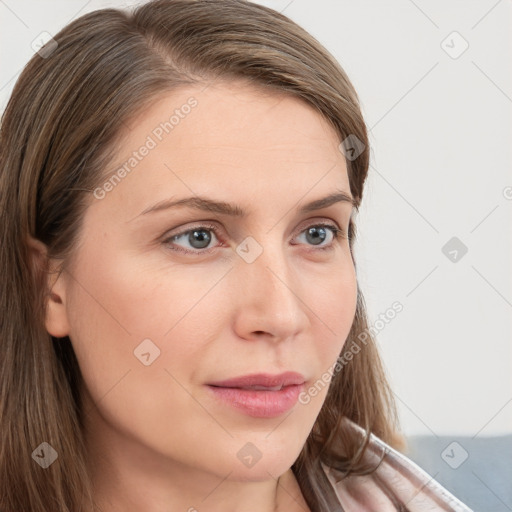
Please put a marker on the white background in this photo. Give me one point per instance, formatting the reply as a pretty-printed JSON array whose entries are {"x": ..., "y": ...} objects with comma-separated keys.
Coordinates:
[{"x": 441, "y": 153}]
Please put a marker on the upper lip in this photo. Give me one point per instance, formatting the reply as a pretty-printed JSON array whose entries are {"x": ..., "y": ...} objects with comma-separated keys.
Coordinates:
[{"x": 262, "y": 379}]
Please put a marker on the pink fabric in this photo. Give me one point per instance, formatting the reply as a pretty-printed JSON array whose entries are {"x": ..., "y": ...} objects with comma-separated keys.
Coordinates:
[{"x": 397, "y": 479}]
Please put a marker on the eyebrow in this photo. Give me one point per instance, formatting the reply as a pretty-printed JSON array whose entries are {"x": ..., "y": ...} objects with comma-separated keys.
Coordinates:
[{"x": 224, "y": 208}]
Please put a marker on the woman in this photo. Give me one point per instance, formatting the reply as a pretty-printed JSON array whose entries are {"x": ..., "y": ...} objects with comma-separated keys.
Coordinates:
[{"x": 181, "y": 320}]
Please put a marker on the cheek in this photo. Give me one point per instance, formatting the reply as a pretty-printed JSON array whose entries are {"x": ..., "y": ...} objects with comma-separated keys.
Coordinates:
[
  {"x": 334, "y": 307},
  {"x": 134, "y": 298},
  {"x": 125, "y": 312},
  {"x": 161, "y": 405},
  {"x": 334, "y": 304},
  {"x": 138, "y": 331}
]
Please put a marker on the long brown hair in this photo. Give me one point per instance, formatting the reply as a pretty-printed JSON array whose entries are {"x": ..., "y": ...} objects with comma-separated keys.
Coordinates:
[{"x": 58, "y": 133}]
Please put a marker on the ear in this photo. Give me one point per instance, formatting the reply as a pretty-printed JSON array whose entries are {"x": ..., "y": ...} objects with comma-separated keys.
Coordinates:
[{"x": 56, "y": 320}]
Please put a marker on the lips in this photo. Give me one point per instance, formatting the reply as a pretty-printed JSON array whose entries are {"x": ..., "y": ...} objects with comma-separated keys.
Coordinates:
[{"x": 260, "y": 395}]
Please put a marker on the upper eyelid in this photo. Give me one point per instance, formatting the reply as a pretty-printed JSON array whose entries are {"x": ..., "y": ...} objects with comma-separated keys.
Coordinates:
[{"x": 214, "y": 226}]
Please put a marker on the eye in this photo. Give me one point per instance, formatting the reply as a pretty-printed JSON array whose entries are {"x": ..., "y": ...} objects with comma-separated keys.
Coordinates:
[
  {"x": 200, "y": 237},
  {"x": 318, "y": 233}
]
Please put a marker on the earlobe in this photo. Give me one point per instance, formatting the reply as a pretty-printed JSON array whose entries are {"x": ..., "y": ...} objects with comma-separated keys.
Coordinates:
[{"x": 56, "y": 321}]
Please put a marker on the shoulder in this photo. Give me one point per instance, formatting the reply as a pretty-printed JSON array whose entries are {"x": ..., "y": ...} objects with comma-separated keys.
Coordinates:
[{"x": 397, "y": 484}]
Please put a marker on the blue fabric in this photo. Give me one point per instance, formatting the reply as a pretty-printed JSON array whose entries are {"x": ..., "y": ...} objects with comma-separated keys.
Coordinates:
[{"x": 483, "y": 480}]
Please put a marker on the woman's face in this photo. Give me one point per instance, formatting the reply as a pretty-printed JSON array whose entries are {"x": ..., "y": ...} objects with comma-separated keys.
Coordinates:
[{"x": 160, "y": 304}]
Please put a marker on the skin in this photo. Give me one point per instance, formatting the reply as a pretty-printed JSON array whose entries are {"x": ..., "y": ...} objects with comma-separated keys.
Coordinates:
[{"x": 157, "y": 440}]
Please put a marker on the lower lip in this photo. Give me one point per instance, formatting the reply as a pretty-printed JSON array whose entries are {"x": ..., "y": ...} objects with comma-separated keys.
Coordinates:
[{"x": 260, "y": 404}]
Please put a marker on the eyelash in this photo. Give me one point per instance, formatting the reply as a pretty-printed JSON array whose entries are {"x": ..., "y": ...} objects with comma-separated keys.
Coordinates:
[{"x": 337, "y": 233}]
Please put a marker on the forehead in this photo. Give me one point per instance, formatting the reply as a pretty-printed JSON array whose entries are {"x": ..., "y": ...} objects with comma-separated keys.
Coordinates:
[
  {"x": 242, "y": 138},
  {"x": 231, "y": 114}
]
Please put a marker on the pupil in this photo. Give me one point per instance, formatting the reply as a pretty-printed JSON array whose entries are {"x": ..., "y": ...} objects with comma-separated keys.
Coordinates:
[
  {"x": 198, "y": 236},
  {"x": 315, "y": 237}
]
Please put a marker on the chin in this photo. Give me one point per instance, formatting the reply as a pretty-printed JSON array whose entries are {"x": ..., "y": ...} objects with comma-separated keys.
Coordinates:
[{"x": 255, "y": 462}]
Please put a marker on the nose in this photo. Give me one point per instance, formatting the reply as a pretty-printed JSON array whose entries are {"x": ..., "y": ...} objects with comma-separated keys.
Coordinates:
[{"x": 268, "y": 295}]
